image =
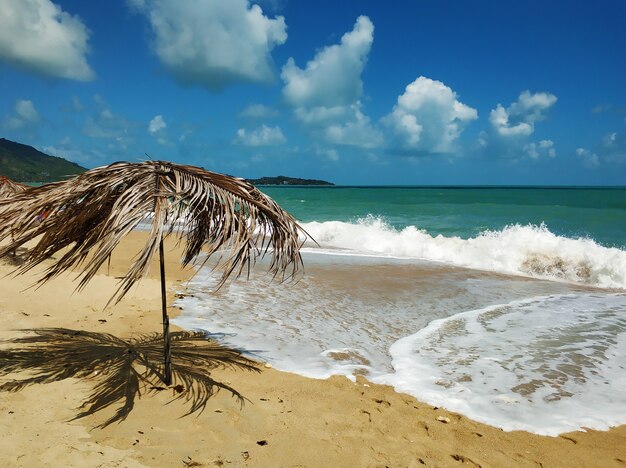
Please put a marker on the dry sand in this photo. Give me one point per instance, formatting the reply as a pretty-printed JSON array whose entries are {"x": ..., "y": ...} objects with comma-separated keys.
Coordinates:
[{"x": 287, "y": 420}]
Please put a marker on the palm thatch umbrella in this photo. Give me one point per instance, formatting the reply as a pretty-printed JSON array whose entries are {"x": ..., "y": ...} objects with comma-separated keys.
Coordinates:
[
  {"x": 87, "y": 217},
  {"x": 9, "y": 188}
]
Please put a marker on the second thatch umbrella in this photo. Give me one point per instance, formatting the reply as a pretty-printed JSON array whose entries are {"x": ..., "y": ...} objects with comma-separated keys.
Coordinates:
[
  {"x": 87, "y": 217},
  {"x": 8, "y": 188}
]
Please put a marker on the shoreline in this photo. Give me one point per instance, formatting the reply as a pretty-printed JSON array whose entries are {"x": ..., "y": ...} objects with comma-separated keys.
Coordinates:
[{"x": 304, "y": 422}]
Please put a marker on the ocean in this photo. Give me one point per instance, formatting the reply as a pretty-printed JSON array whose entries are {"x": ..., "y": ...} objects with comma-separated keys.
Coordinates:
[{"x": 507, "y": 305}]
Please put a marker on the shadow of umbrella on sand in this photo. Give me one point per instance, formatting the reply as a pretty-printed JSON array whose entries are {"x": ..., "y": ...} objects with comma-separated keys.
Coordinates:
[{"x": 86, "y": 217}]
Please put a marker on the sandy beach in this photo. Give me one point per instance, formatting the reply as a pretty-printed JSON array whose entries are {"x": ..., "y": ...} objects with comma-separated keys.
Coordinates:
[{"x": 286, "y": 420}]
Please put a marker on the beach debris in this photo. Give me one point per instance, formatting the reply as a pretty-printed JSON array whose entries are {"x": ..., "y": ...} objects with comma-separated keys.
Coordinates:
[
  {"x": 191, "y": 462},
  {"x": 218, "y": 410},
  {"x": 268, "y": 365},
  {"x": 102, "y": 320},
  {"x": 443, "y": 419},
  {"x": 178, "y": 388},
  {"x": 369, "y": 415},
  {"x": 262, "y": 442},
  {"x": 220, "y": 462},
  {"x": 158, "y": 389},
  {"x": 463, "y": 459},
  {"x": 568, "y": 438},
  {"x": 245, "y": 455}
]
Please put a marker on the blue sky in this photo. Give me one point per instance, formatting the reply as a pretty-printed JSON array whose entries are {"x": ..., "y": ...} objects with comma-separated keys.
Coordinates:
[{"x": 355, "y": 92}]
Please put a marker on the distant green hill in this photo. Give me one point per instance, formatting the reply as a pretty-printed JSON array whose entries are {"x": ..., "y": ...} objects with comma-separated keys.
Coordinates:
[
  {"x": 282, "y": 180},
  {"x": 24, "y": 163}
]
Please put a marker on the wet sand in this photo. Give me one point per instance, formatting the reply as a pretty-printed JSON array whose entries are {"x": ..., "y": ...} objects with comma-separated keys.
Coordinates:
[{"x": 286, "y": 420}]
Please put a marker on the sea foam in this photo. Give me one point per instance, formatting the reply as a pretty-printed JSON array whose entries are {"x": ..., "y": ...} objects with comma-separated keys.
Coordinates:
[
  {"x": 547, "y": 365},
  {"x": 521, "y": 250}
]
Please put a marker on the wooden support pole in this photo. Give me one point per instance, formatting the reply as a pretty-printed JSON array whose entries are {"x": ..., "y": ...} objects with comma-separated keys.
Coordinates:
[{"x": 167, "y": 351}]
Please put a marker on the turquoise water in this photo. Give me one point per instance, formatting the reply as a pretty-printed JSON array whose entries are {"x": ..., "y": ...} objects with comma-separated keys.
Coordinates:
[{"x": 596, "y": 213}]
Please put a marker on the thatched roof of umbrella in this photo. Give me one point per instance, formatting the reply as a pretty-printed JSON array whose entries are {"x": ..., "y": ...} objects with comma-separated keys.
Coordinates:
[
  {"x": 91, "y": 213},
  {"x": 9, "y": 188},
  {"x": 88, "y": 215}
]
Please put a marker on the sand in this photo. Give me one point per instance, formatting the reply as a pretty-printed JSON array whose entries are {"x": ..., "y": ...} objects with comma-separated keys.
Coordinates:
[{"x": 287, "y": 420}]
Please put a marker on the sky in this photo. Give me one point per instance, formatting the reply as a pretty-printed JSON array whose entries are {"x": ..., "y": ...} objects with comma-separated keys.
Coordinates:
[{"x": 356, "y": 92}]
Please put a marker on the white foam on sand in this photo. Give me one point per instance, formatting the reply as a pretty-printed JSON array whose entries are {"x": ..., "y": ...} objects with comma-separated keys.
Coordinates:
[{"x": 547, "y": 365}]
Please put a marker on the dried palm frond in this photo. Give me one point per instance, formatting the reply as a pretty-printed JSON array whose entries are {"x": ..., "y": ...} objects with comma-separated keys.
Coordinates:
[
  {"x": 89, "y": 214},
  {"x": 8, "y": 188},
  {"x": 121, "y": 369}
]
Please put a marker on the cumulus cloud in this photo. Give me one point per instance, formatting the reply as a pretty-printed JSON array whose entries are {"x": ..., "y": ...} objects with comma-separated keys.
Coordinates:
[
  {"x": 26, "y": 111},
  {"x": 355, "y": 132},
  {"x": 333, "y": 77},
  {"x": 428, "y": 118},
  {"x": 329, "y": 153},
  {"x": 38, "y": 36},
  {"x": 519, "y": 118},
  {"x": 156, "y": 124},
  {"x": 213, "y": 43},
  {"x": 543, "y": 148},
  {"x": 24, "y": 114},
  {"x": 258, "y": 111},
  {"x": 588, "y": 158},
  {"x": 613, "y": 147},
  {"x": 262, "y": 136},
  {"x": 512, "y": 127},
  {"x": 325, "y": 94},
  {"x": 106, "y": 124},
  {"x": 611, "y": 150},
  {"x": 88, "y": 157}
]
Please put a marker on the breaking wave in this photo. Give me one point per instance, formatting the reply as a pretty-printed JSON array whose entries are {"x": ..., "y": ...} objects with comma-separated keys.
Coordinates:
[{"x": 521, "y": 250}]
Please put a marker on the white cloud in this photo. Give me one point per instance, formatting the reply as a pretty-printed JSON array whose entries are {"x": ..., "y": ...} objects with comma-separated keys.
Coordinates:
[
  {"x": 24, "y": 115},
  {"x": 106, "y": 124},
  {"x": 77, "y": 106},
  {"x": 330, "y": 153},
  {"x": 519, "y": 118},
  {"x": 26, "y": 110},
  {"x": 325, "y": 94},
  {"x": 262, "y": 136},
  {"x": 333, "y": 77},
  {"x": 428, "y": 118},
  {"x": 588, "y": 158},
  {"x": 613, "y": 147},
  {"x": 543, "y": 148},
  {"x": 357, "y": 132},
  {"x": 610, "y": 150},
  {"x": 156, "y": 124},
  {"x": 512, "y": 127},
  {"x": 38, "y": 36},
  {"x": 258, "y": 111},
  {"x": 213, "y": 43}
]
